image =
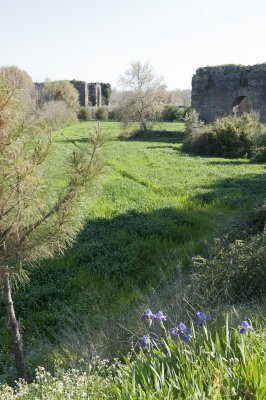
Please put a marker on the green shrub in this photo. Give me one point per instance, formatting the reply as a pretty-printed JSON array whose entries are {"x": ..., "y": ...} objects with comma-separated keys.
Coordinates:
[
  {"x": 85, "y": 114},
  {"x": 115, "y": 114},
  {"x": 101, "y": 114},
  {"x": 171, "y": 113},
  {"x": 231, "y": 136},
  {"x": 259, "y": 154},
  {"x": 193, "y": 123},
  {"x": 234, "y": 272}
]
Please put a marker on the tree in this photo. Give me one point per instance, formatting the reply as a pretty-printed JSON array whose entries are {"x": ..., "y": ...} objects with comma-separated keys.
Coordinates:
[
  {"x": 35, "y": 221},
  {"x": 144, "y": 94},
  {"x": 61, "y": 91}
]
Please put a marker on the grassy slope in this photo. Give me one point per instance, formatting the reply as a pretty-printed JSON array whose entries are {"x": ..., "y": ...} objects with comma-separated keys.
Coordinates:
[{"x": 157, "y": 207}]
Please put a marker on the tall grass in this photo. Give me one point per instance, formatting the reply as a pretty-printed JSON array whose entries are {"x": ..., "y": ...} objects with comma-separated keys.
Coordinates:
[{"x": 219, "y": 364}]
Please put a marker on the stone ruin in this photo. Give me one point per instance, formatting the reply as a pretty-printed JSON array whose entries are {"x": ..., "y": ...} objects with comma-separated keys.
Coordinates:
[
  {"x": 222, "y": 90},
  {"x": 94, "y": 93},
  {"x": 89, "y": 93}
]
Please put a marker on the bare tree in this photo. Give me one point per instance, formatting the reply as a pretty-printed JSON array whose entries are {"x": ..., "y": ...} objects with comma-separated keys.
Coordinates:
[
  {"x": 144, "y": 94},
  {"x": 35, "y": 221}
]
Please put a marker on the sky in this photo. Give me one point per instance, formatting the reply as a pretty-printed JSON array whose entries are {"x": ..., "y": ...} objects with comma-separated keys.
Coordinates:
[{"x": 96, "y": 40}]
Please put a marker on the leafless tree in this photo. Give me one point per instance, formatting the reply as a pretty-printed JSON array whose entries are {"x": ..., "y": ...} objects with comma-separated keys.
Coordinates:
[{"x": 144, "y": 94}]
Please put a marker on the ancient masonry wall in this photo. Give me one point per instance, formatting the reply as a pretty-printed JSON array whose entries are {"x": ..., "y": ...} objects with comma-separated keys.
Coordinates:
[
  {"x": 216, "y": 90},
  {"x": 89, "y": 93}
]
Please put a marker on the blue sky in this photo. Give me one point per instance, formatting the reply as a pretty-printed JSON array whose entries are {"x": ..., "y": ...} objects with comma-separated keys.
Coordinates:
[{"x": 96, "y": 40}]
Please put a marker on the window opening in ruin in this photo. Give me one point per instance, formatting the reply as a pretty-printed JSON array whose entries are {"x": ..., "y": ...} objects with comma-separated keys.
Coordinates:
[{"x": 241, "y": 105}]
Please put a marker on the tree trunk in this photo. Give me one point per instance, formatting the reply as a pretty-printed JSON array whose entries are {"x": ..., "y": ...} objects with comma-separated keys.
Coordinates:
[{"x": 14, "y": 327}]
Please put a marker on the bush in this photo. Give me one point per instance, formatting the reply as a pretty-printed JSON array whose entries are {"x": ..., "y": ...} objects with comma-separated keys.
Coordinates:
[
  {"x": 193, "y": 124},
  {"x": 115, "y": 114},
  {"x": 235, "y": 268},
  {"x": 85, "y": 114},
  {"x": 57, "y": 114},
  {"x": 231, "y": 136},
  {"x": 101, "y": 114},
  {"x": 259, "y": 154},
  {"x": 171, "y": 113}
]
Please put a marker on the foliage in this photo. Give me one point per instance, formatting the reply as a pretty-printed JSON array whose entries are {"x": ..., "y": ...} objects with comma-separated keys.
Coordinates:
[
  {"x": 57, "y": 114},
  {"x": 61, "y": 91},
  {"x": 171, "y": 113},
  {"x": 106, "y": 93},
  {"x": 193, "y": 123},
  {"x": 35, "y": 221},
  {"x": 144, "y": 95},
  {"x": 115, "y": 114},
  {"x": 85, "y": 113},
  {"x": 231, "y": 136},
  {"x": 101, "y": 114},
  {"x": 259, "y": 154},
  {"x": 215, "y": 364},
  {"x": 217, "y": 361},
  {"x": 94, "y": 383},
  {"x": 233, "y": 272}
]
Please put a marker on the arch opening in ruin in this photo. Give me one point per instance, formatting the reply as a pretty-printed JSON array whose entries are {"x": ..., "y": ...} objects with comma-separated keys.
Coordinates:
[{"x": 241, "y": 105}]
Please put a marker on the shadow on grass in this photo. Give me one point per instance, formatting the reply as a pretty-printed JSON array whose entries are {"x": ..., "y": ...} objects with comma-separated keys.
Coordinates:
[
  {"x": 110, "y": 255},
  {"x": 163, "y": 147},
  {"x": 229, "y": 162},
  {"x": 79, "y": 140},
  {"x": 236, "y": 193},
  {"x": 154, "y": 136}
]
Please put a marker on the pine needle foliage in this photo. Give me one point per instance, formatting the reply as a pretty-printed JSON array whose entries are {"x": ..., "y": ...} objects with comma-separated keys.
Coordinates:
[{"x": 35, "y": 221}]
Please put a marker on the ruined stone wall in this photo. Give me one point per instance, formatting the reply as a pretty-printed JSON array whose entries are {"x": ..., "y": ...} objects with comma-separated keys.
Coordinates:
[
  {"x": 94, "y": 93},
  {"x": 216, "y": 90},
  {"x": 82, "y": 88}
]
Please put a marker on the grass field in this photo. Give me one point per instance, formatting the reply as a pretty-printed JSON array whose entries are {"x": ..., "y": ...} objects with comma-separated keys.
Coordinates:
[{"x": 152, "y": 210}]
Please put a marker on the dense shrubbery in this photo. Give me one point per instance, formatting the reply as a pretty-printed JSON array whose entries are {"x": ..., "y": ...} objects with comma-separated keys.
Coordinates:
[
  {"x": 235, "y": 268},
  {"x": 115, "y": 114},
  {"x": 57, "y": 114},
  {"x": 231, "y": 136},
  {"x": 171, "y": 113},
  {"x": 235, "y": 271},
  {"x": 101, "y": 114},
  {"x": 259, "y": 154},
  {"x": 85, "y": 113}
]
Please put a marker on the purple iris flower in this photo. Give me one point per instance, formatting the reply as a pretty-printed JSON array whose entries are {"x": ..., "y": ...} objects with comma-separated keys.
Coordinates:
[
  {"x": 245, "y": 326},
  {"x": 148, "y": 314},
  {"x": 182, "y": 330},
  {"x": 160, "y": 317},
  {"x": 202, "y": 317},
  {"x": 175, "y": 332},
  {"x": 144, "y": 342},
  {"x": 186, "y": 338}
]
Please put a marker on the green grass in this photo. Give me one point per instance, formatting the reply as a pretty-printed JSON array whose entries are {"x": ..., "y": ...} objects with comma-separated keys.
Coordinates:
[
  {"x": 154, "y": 208},
  {"x": 217, "y": 363}
]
